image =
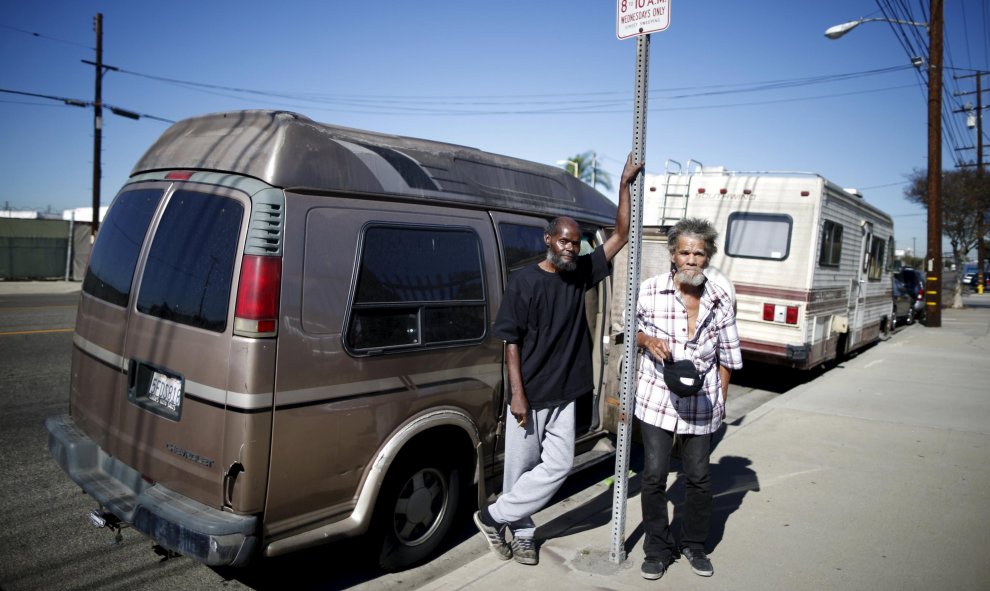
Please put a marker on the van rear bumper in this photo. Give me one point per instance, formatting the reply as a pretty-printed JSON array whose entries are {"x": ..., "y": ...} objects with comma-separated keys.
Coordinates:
[{"x": 175, "y": 522}]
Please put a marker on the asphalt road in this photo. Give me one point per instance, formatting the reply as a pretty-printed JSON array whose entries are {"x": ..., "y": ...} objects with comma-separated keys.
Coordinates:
[{"x": 47, "y": 541}]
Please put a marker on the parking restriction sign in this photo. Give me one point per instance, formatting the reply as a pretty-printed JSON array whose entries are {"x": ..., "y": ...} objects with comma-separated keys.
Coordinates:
[{"x": 641, "y": 17}]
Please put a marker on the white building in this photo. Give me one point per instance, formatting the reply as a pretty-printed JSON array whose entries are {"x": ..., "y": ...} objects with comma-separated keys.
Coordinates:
[{"x": 83, "y": 214}]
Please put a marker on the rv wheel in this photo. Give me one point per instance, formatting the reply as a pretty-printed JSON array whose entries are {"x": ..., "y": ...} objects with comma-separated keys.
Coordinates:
[{"x": 416, "y": 509}]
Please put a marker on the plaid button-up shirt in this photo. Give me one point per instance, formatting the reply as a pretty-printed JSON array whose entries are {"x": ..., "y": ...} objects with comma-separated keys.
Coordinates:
[{"x": 660, "y": 313}]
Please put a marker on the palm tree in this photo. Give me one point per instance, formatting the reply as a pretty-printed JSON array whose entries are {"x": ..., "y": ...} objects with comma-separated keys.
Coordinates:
[{"x": 585, "y": 167}]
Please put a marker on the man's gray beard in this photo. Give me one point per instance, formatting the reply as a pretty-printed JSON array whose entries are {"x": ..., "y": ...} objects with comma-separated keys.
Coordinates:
[
  {"x": 694, "y": 280},
  {"x": 559, "y": 264}
]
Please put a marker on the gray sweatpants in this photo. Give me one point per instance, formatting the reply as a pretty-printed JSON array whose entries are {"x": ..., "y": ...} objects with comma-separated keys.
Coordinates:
[{"x": 537, "y": 460}]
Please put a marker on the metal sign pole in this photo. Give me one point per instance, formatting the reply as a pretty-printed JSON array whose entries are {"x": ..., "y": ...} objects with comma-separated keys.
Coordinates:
[{"x": 620, "y": 492}]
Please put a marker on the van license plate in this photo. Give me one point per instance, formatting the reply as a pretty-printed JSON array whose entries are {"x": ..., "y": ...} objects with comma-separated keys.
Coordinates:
[{"x": 166, "y": 392}]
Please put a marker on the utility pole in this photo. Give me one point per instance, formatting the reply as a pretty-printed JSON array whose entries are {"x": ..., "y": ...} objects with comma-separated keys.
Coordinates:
[
  {"x": 594, "y": 167},
  {"x": 97, "y": 125},
  {"x": 933, "y": 264},
  {"x": 981, "y": 199}
]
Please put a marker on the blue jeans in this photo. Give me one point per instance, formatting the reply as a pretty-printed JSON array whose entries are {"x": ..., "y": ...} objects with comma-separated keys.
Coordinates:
[{"x": 658, "y": 542}]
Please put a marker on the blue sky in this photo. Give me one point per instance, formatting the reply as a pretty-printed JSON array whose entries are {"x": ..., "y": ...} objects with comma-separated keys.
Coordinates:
[{"x": 746, "y": 85}]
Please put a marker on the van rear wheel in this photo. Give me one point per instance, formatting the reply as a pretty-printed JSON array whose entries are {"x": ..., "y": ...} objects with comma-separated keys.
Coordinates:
[{"x": 416, "y": 509}]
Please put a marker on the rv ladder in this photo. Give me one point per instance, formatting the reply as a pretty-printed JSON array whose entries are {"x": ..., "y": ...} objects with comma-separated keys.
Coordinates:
[{"x": 673, "y": 208}]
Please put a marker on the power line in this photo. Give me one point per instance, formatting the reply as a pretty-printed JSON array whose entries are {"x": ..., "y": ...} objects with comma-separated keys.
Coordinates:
[
  {"x": 46, "y": 37},
  {"x": 82, "y": 103},
  {"x": 486, "y": 100}
]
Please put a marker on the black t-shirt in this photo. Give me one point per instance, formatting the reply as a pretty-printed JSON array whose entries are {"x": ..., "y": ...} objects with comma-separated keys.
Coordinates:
[{"x": 543, "y": 313}]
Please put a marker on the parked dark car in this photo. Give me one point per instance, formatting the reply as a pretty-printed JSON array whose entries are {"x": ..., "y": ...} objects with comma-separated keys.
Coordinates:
[
  {"x": 914, "y": 285},
  {"x": 969, "y": 277},
  {"x": 903, "y": 302}
]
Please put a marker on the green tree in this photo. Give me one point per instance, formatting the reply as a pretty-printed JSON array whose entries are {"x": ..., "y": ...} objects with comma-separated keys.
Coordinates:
[
  {"x": 587, "y": 170},
  {"x": 965, "y": 198}
]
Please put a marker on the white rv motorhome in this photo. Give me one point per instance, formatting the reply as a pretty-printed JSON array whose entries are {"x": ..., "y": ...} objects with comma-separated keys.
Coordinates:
[{"x": 809, "y": 260}]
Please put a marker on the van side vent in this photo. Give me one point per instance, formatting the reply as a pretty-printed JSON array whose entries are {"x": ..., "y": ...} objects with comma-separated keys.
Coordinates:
[{"x": 267, "y": 223}]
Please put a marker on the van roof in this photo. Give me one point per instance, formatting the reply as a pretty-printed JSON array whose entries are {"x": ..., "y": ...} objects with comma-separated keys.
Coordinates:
[{"x": 291, "y": 151}]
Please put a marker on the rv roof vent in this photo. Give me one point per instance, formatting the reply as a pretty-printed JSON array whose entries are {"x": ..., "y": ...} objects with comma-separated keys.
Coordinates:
[{"x": 853, "y": 192}]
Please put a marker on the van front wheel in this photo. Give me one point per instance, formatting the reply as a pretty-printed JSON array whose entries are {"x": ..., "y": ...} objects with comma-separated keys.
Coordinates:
[{"x": 417, "y": 508}]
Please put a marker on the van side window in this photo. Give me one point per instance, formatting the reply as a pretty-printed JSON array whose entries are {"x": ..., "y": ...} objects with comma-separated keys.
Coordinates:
[
  {"x": 758, "y": 235},
  {"x": 830, "y": 249},
  {"x": 111, "y": 264},
  {"x": 521, "y": 246},
  {"x": 190, "y": 266},
  {"x": 417, "y": 287}
]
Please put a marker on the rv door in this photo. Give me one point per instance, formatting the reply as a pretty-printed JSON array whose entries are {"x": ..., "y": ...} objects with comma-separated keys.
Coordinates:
[{"x": 857, "y": 291}]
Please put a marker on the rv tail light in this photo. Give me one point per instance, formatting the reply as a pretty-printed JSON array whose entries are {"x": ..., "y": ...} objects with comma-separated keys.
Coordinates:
[
  {"x": 256, "y": 311},
  {"x": 747, "y": 191},
  {"x": 723, "y": 191},
  {"x": 179, "y": 175},
  {"x": 780, "y": 313},
  {"x": 805, "y": 193},
  {"x": 701, "y": 190}
]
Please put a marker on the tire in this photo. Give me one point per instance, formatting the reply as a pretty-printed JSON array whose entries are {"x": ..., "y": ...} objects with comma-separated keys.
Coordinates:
[{"x": 417, "y": 507}]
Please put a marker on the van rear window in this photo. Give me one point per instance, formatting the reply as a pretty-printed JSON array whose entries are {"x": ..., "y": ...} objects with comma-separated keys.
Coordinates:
[
  {"x": 417, "y": 287},
  {"x": 190, "y": 267},
  {"x": 118, "y": 244}
]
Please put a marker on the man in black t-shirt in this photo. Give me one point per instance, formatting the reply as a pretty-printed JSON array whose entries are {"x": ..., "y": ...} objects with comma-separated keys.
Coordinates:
[{"x": 548, "y": 357}]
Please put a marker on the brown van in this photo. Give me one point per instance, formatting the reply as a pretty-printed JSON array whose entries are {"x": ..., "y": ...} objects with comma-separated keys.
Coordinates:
[{"x": 284, "y": 336}]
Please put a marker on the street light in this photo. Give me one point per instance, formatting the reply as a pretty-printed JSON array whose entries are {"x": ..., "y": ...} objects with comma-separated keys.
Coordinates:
[
  {"x": 840, "y": 30},
  {"x": 574, "y": 162},
  {"x": 933, "y": 262}
]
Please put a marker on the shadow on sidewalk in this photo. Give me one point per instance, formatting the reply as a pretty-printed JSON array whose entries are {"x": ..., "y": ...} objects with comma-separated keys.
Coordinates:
[{"x": 732, "y": 479}]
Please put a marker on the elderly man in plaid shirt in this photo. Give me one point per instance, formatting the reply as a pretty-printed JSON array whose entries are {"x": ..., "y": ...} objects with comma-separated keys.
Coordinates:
[{"x": 682, "y": 316}]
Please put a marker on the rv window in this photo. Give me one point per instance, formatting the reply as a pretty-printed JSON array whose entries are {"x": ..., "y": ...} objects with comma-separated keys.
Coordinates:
[
  {"x": 111, "y": 264},
  {"x": 875, "y": 264},
  {"x": 830, "y": 250},
  {"x": 758, "y": 235},
  {"x": 190, "y": 266},
  {"x": 418, "y": 287}
]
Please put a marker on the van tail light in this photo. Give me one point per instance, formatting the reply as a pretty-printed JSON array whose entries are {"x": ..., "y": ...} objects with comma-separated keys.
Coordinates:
[
  {"x": 256, "y": 311},
  {"x": 780, "y": 313}
]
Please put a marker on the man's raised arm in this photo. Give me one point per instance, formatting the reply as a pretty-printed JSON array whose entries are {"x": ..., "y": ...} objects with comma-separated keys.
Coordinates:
[{"x": 619, "y": 238}]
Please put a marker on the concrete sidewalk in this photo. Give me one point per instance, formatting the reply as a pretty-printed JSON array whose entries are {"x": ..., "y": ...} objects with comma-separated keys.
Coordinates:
[{"x": 873, "y": 476}]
